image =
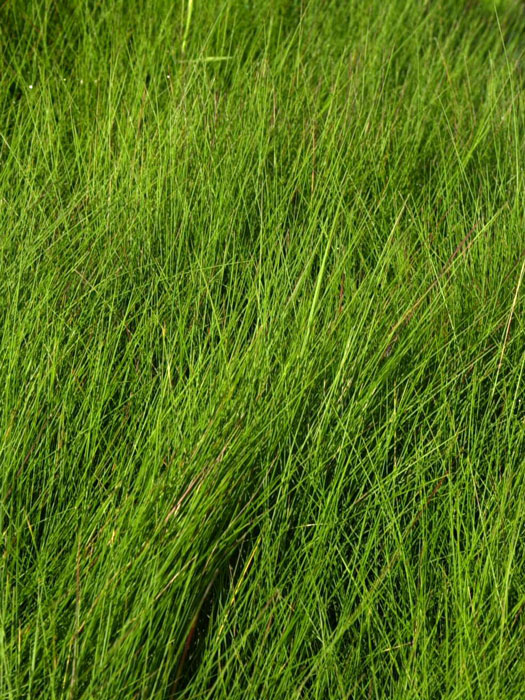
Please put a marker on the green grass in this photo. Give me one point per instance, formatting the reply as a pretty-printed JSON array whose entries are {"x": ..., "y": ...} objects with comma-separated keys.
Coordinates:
[{"x": 262, "y": 349}]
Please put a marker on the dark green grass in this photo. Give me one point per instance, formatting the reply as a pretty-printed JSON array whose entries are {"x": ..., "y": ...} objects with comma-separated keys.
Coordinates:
[{"x": 262, "y": 349}]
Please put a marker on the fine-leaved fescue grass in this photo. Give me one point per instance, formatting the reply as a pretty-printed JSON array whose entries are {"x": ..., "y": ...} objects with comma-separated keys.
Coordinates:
[{"x": 262, "y": 349}]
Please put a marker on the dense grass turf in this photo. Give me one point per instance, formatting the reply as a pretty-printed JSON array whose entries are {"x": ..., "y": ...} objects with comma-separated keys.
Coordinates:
[{"x": 262, "y": 349}]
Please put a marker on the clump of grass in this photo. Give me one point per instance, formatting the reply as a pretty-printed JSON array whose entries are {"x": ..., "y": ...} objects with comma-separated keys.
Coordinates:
[{"x": 262, "y": 350}]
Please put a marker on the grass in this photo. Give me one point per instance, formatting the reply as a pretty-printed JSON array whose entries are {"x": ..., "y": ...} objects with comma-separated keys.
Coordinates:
[{"x": 262, "y": 351}]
